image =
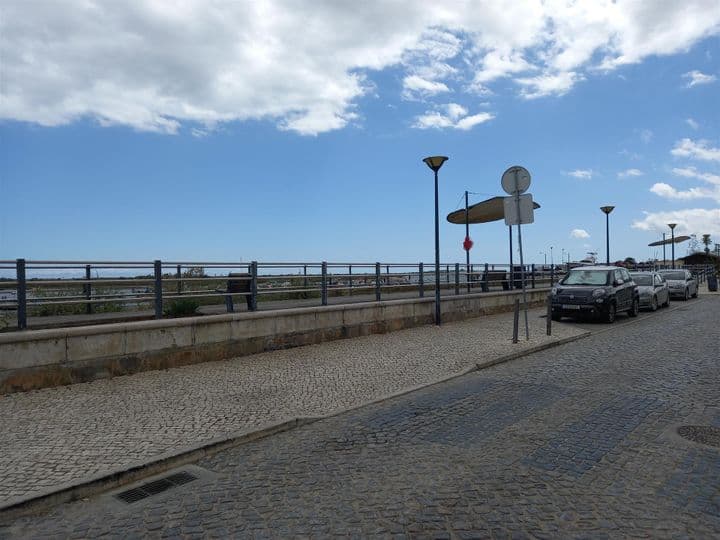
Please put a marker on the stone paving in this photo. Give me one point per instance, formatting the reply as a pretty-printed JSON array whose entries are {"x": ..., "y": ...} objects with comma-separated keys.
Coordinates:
[
  {"x": 577, "y": 441},
  {"x": 59, "y": 435}
]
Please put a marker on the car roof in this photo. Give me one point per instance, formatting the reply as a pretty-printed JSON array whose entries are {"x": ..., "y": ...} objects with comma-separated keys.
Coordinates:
[{"x": 597, "y": 267}]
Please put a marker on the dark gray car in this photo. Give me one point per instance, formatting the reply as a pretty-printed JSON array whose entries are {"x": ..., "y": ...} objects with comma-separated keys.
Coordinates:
[
  {"x": 681, "y": 283},
  {"x": 601, "y": 291}
]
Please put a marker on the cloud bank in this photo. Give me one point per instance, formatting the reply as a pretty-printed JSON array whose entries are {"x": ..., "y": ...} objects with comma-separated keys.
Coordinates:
[{"x": 160, "y": 66}]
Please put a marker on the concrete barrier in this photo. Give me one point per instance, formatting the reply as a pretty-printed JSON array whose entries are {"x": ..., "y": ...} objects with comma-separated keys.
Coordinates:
[{"x": 42, "y": 358}]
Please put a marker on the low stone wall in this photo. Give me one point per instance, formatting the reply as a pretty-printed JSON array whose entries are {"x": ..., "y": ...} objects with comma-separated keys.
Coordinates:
[{"x": 42, "y": 358}]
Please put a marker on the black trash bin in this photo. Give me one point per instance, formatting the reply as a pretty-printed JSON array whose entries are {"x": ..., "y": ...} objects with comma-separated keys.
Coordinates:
[{"x": 712, "y": 283}]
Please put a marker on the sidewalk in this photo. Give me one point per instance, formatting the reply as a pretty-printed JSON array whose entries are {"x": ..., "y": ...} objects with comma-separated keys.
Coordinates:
[{"x": 57, "y": 437}]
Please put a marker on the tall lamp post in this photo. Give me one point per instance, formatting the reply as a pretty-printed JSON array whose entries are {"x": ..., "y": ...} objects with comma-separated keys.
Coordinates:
[
  {"x": 606, "y": 210},
  {"x": 672, "y": 242},
  {"x": 435, "y": 162},
  {"x": 664, "y": 256}
]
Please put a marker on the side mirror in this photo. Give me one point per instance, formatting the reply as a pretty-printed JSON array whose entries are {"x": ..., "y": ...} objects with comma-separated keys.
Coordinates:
[{"x": 618, "y": 282}]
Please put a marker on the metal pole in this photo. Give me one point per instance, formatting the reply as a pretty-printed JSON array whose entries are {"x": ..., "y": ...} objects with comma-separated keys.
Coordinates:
[
  {"x": 548, "y": 315},
  {"x": 21, "y": 294},
  {"x": 421, "y": 279},
  {"x": 437, "y": 254},
  {"x": 88, "y": 290},
  {"x": 510, "y": 275},
  {"x": 457, "y": 278},
  {"x": 467, "y": 235},
  {"x": 305, "y": 279},
  {"x": 323, "y": 284},
  {"x": 253, "y": 285},
  {"x": 350, "y": 277},
  {"x": 673, "y": 247},
  {"x": 158, "y": 290},
  {"x": 532, "y": 275},
  {"x": 178, "y": 274},
  {"x": 377, "y": 282},
  {"x": 522, "y": 263},
  {"x": 607, "y": 237}
]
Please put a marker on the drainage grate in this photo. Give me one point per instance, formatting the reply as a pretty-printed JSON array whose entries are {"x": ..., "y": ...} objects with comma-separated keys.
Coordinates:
[
  {"x": 701, "y": 434},
  {"x": 156, "y": 486}
]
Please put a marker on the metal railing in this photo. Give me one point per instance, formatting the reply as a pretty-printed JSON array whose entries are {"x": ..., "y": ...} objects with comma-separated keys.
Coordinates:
[{"x": 36, "y": 289}]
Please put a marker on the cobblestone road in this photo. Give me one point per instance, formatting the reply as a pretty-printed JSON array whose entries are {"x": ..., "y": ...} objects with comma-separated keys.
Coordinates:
[
  {"x": 60, "y": 435},
  {"x": 576, "y": 441}
]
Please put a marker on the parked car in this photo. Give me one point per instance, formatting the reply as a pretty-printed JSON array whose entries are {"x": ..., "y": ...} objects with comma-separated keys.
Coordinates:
[
  {"x": 601, "y": 291},
  {"x": 653, "y": 290},
  {"x": 681, "y": 283}
]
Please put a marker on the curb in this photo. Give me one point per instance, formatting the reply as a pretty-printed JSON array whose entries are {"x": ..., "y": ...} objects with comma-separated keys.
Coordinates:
[{"x": 100, "y": 483}]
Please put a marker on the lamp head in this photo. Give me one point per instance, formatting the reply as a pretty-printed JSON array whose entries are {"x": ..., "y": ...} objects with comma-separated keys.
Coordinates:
[
  {"x": 435, "y": 162},
  {"x": 672, "y": 225},
  {"x": 607, "y": 209}
]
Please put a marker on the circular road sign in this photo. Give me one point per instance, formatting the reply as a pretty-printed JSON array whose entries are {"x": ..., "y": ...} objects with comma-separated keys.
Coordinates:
[{"x": 515, "y": 180}]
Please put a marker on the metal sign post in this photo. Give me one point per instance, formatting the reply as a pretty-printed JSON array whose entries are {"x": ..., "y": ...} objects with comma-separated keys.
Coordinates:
[{"x": 515, "y": 181}]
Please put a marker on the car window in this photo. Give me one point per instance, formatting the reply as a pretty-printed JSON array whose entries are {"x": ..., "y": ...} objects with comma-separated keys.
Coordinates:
[
  {"x": 625, "y": 275},
  {"x": 642, "y": 279},
  {"x": 674, "y": 275},
  {"x": 618, "y": 275},
  {"x": 586, "y": 277},
  {"x": 658, "y": 280}
]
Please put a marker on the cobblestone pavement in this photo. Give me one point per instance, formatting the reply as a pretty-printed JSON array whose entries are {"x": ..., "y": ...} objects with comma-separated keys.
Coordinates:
[
  {"x": 572, "y": 442},
  {"x": 59, "y": 435}
]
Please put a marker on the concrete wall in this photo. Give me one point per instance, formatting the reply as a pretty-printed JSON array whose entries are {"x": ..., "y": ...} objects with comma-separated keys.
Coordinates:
[{"x": 42, "y": 358}]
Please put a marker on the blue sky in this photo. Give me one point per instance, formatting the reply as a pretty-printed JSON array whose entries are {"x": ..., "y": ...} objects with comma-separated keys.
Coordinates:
[{"x": 139, "y": 130}]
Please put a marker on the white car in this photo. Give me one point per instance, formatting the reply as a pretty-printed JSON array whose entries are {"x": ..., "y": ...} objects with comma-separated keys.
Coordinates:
[
  {"x": 681, "y": 283},
  {"x": 653, "y": 290}
]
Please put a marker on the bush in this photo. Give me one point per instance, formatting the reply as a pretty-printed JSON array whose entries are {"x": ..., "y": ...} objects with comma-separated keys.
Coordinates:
[{"x": 182, "y": 308}]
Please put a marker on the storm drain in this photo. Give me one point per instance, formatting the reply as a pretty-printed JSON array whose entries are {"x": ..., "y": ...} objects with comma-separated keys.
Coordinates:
[
  {"x": 156, "y": 486},
  {"x": 701, "y": 434}
]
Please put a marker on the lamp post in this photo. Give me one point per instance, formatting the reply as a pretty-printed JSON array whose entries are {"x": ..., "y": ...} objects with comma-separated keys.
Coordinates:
[
  {"x": 606, "y": 210},
  {"x": 435, "y": 162},
  {"x": 544, "y": 254},
  {"x": 664, "y": 256},
  {"x": 672, "y": 242},
  {"x": 551, "y": 256}
]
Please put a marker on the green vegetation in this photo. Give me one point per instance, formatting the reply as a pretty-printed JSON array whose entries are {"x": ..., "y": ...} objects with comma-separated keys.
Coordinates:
[{"x": 182, "y": 308}]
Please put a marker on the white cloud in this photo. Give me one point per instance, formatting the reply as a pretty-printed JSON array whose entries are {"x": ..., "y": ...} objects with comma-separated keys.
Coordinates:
[
  {"x": 692, "y": 172},
  {"x": 453, "y": 116},
  {"x": 630, "y": 173},
  {"x": 692, "y": 123},
  {"x": 579, "y": 233},
  {"x": 414, "y": 83},
  {"x": 710, "y": 192},
  {"x": 696, "y": 77},
  {"x": 690, "y": 221},
  {"x": 700, "y": 149},
  {"x": 583, "y": 174},
  {"x": 167, "y": 66}
]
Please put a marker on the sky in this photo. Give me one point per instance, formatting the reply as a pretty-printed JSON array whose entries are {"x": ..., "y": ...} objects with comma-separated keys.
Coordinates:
[{"x": 295, "y": 130}]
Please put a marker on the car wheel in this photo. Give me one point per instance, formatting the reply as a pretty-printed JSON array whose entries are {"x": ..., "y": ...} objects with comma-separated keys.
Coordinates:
[
  {"x": 667, "y": 301},
  {"x": 654, "y": 304},
  {"x": 687, "y": 295},
  {"x": 610, "y": 315},
  {"x": 635, "y": 309}
]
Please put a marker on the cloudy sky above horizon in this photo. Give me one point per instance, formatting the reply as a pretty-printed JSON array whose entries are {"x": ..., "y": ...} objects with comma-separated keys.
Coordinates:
[{"x": 605, "y": 102}]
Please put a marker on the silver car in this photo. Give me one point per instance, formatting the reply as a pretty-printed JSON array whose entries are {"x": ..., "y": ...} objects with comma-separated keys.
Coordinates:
[
  {"x": 681, "y": 283},
  {"x": 653, "y": 290}
]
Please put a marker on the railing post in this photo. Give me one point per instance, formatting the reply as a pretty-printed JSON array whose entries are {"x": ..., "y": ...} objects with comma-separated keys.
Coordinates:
[
  {"x": 552, "y": 275},
  {"x": 350, "y": 277},
  {"x": 305, "y": 280},
  {"x": 421, "y": 280},
  {"x": 323, "y": 285},
  {"x": 532, "y": 275},
  {"x": 178, "y": 275},
  {"x": 158, "y": 290},
  {"x": 21, "y": 294},
  {"x": 253, "y": 285},
  {"x": 88, "y": 290},
  {"x": 457, "y": 278},
  {"x": 377, "y": 282},
  {"x": 447, "y": 274}
]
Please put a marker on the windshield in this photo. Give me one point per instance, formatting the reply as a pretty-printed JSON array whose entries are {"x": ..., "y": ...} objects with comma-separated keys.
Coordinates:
[
  {"x": 586, "y": 277},
  {"x": 674, "y": 275},
  {"x": 642, "y": 279}
]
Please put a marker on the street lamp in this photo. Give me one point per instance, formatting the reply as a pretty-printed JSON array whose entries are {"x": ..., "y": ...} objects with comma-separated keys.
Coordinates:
[
  {"x": 544, "y": 254},
  {"x": 606, "y": 210},
  {"x": 672, "y": 231},
  {"x": 435, "y": 162}
]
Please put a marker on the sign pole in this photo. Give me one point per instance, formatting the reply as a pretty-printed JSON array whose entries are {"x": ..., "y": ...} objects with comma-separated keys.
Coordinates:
[{"x": 522, "y": 263}]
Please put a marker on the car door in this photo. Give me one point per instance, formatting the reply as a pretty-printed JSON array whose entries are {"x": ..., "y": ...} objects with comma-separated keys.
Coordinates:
[
  {"x": 621, "y": 290},
  {"x": 630, "y": 286},
  {"x": 692, "y": 282},
  {"x": 661, "y": 290}
]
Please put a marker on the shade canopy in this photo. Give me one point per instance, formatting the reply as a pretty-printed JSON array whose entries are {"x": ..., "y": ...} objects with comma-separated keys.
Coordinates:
[
  {"x": 678, "y": 239},
  {"x": 482, "y": 212}
]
